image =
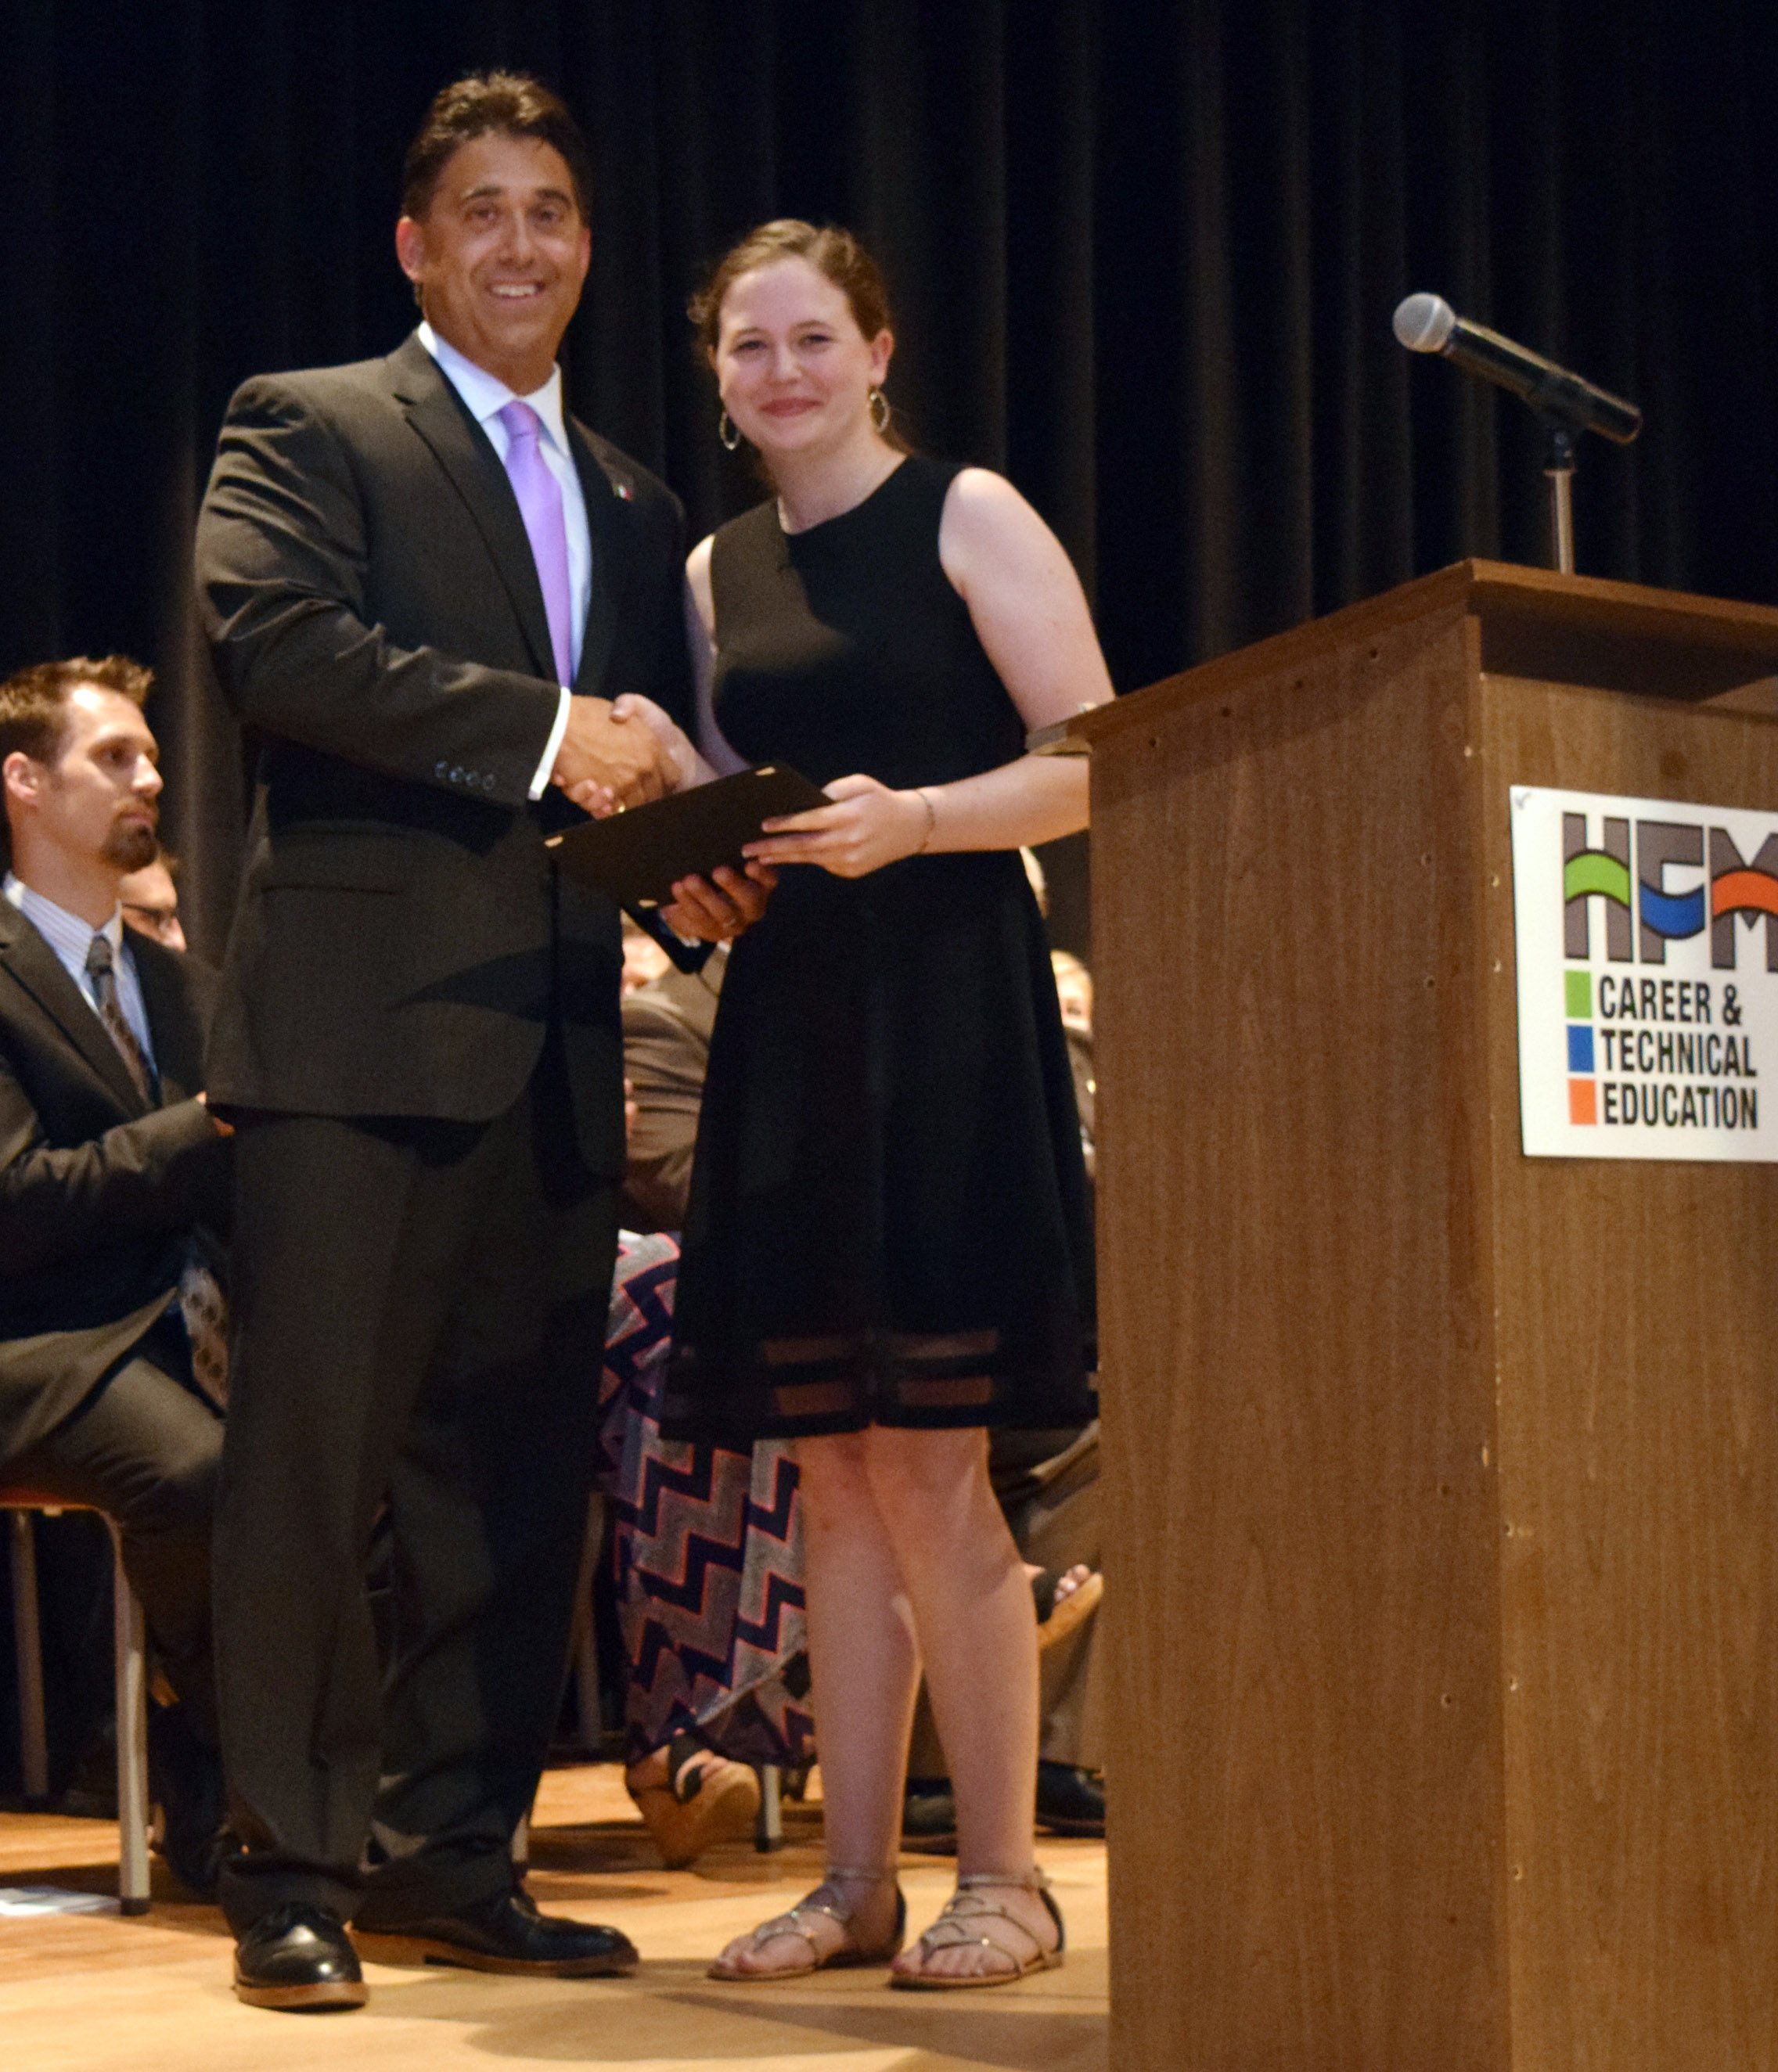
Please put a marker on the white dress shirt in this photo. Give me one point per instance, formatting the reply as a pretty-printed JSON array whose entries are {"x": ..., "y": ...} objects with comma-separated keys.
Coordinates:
[
  {"x": 485, "y": 396},
  {"x": 71, "y": 938}
]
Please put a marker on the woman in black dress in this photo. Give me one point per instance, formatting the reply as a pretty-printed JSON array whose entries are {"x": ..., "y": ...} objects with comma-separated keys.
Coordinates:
[{"x": 887, "y": 1248}]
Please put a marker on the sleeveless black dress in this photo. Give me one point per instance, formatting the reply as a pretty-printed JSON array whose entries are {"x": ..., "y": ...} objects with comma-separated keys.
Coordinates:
[{"x": 888, "y": 1216}]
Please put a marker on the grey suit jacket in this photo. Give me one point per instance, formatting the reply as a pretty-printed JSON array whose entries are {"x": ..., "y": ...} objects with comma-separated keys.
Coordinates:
[
  {"x": 100, "y": 1191},
  {"x": 402, "y": 941}
]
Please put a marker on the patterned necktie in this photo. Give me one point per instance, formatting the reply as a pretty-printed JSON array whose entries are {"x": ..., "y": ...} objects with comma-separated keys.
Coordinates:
[
  {"x": 540, "y": 505},
  {"x": 202, "y": 1303},
  {"x": 103, "y": 973}
]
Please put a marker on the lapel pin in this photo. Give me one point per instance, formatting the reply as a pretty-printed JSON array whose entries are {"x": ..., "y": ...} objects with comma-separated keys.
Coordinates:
[{"x": 623, "y": 490}]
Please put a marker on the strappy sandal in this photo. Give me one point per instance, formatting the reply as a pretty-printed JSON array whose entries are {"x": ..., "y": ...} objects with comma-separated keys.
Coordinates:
[
  {"x": 847, "y": 1957},
  {"x": 954, "y": 1927}
]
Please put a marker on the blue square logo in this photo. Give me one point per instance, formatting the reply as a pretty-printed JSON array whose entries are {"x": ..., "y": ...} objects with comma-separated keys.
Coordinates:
[{"x": 1580, "y": 1047}]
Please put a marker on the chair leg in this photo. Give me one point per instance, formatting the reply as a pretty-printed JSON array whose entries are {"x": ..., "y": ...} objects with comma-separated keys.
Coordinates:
[
  {"x": 583, "y": 1643},
  {"x": 28, "y": 1641},
  {"x": 768, "y": 1827},
  {"x": 130, "y": 1652}
]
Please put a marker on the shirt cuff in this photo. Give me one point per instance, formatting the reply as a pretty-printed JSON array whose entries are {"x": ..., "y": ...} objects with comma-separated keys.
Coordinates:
[{"x": 540, "y": 783}]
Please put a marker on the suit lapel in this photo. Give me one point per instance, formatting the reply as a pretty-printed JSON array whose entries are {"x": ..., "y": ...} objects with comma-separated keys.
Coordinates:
[
  {"x": 35, "y": 966},
  {"x": 466, "y": 454},
  {"x": 177, "y": 1044},
  {"x": 611, "y": 545}
]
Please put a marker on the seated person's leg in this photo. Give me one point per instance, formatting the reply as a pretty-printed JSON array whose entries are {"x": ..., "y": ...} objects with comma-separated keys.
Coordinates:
[
  {"x": 144, "y": 1448},
  {"x": 694, "y": 1786}
]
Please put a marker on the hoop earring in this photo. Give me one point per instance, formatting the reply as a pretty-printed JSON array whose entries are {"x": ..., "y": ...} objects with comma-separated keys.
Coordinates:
[
  {"x": 725, "y": 431},
  {"x": 880, "y": 411}
]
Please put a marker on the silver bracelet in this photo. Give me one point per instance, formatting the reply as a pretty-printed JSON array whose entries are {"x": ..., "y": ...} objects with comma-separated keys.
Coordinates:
[{"x": 931, "y": 818}]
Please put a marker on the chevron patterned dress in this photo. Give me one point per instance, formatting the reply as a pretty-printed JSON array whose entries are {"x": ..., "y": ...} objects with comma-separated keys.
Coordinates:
[{"x": 707, "y": 1550}]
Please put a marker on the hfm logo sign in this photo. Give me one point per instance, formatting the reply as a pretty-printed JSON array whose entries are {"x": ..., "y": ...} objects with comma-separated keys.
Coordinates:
[
  {"x": 1735, "y": 888},
  {"x": 1670, "y": 1052},
  {"x": 1645, "y": 948}
]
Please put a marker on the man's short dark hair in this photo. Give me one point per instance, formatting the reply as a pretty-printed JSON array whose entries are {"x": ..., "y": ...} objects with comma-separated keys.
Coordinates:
[
  {"x": 34, "y": 701},
  {"x": 508, "y": 104},
  {"x": 34, "y": 709}
]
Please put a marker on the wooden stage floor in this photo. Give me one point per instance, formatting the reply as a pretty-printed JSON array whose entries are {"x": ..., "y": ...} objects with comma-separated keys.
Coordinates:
[{"x": 92, "y": 1992}]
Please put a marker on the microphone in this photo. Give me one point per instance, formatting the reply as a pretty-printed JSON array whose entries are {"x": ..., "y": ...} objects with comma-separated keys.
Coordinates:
[{"x": 1428, "y": 323}]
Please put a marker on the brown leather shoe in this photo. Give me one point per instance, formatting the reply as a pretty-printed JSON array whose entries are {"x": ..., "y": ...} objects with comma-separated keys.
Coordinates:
[{"x": 504, "y": 1933}]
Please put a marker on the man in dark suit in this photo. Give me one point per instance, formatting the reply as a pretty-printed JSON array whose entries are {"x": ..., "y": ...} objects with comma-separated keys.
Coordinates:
[
  {"x": 112, "y": 1171},
  {"x": 424, "y": 584}
]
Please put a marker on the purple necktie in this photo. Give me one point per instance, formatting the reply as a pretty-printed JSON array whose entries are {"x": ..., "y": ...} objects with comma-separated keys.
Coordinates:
[{"x": 540, "y": 506}]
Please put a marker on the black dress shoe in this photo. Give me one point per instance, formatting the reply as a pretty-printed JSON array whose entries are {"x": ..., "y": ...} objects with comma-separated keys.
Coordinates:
[
  {"x": 298, "y": 1958},
  {"x": 504, "y": 1933},
  {"x": 1069, "y": 1801}
]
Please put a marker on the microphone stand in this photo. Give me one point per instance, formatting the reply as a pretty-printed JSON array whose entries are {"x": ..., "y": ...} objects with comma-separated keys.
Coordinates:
[
  {"x": 1558, "y": 469},
  {"x": 1563, "y": 404}
]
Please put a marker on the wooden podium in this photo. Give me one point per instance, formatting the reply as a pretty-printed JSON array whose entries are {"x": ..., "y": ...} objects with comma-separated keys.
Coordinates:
[{"x": 1443, "y": 1481}]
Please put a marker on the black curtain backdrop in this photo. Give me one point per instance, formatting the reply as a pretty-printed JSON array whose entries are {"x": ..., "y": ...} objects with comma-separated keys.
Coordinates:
[{"x": 1144, "y": 257}]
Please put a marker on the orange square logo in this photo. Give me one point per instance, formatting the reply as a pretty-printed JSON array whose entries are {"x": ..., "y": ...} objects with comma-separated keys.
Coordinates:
[{"x": 1582, "y": 1100}]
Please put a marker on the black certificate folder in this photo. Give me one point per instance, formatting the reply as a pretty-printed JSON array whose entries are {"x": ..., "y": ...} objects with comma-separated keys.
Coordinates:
[{"x": 635, "y": 857}]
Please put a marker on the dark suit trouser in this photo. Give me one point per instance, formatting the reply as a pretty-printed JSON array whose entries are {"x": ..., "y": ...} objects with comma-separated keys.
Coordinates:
[
  {"x": 144, "y": 1448},
  {"x": 421, "y": 1308}
]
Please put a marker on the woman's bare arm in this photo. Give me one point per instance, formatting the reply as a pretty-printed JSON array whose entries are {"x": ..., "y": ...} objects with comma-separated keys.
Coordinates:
[{"x": 1030, "y": 616}]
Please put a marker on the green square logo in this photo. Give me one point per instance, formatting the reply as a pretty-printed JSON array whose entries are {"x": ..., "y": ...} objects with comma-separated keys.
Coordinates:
[{"x": 1580, "y": 995}]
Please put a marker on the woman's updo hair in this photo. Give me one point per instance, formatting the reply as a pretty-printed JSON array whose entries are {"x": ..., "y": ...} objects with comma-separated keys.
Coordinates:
[{"x": 831, "y": 251}]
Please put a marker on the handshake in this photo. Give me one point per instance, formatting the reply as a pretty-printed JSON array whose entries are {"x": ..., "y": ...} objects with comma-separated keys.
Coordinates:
[
  {"x": 626, "y": 753},
  {"x": 629, "y": 752}
]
